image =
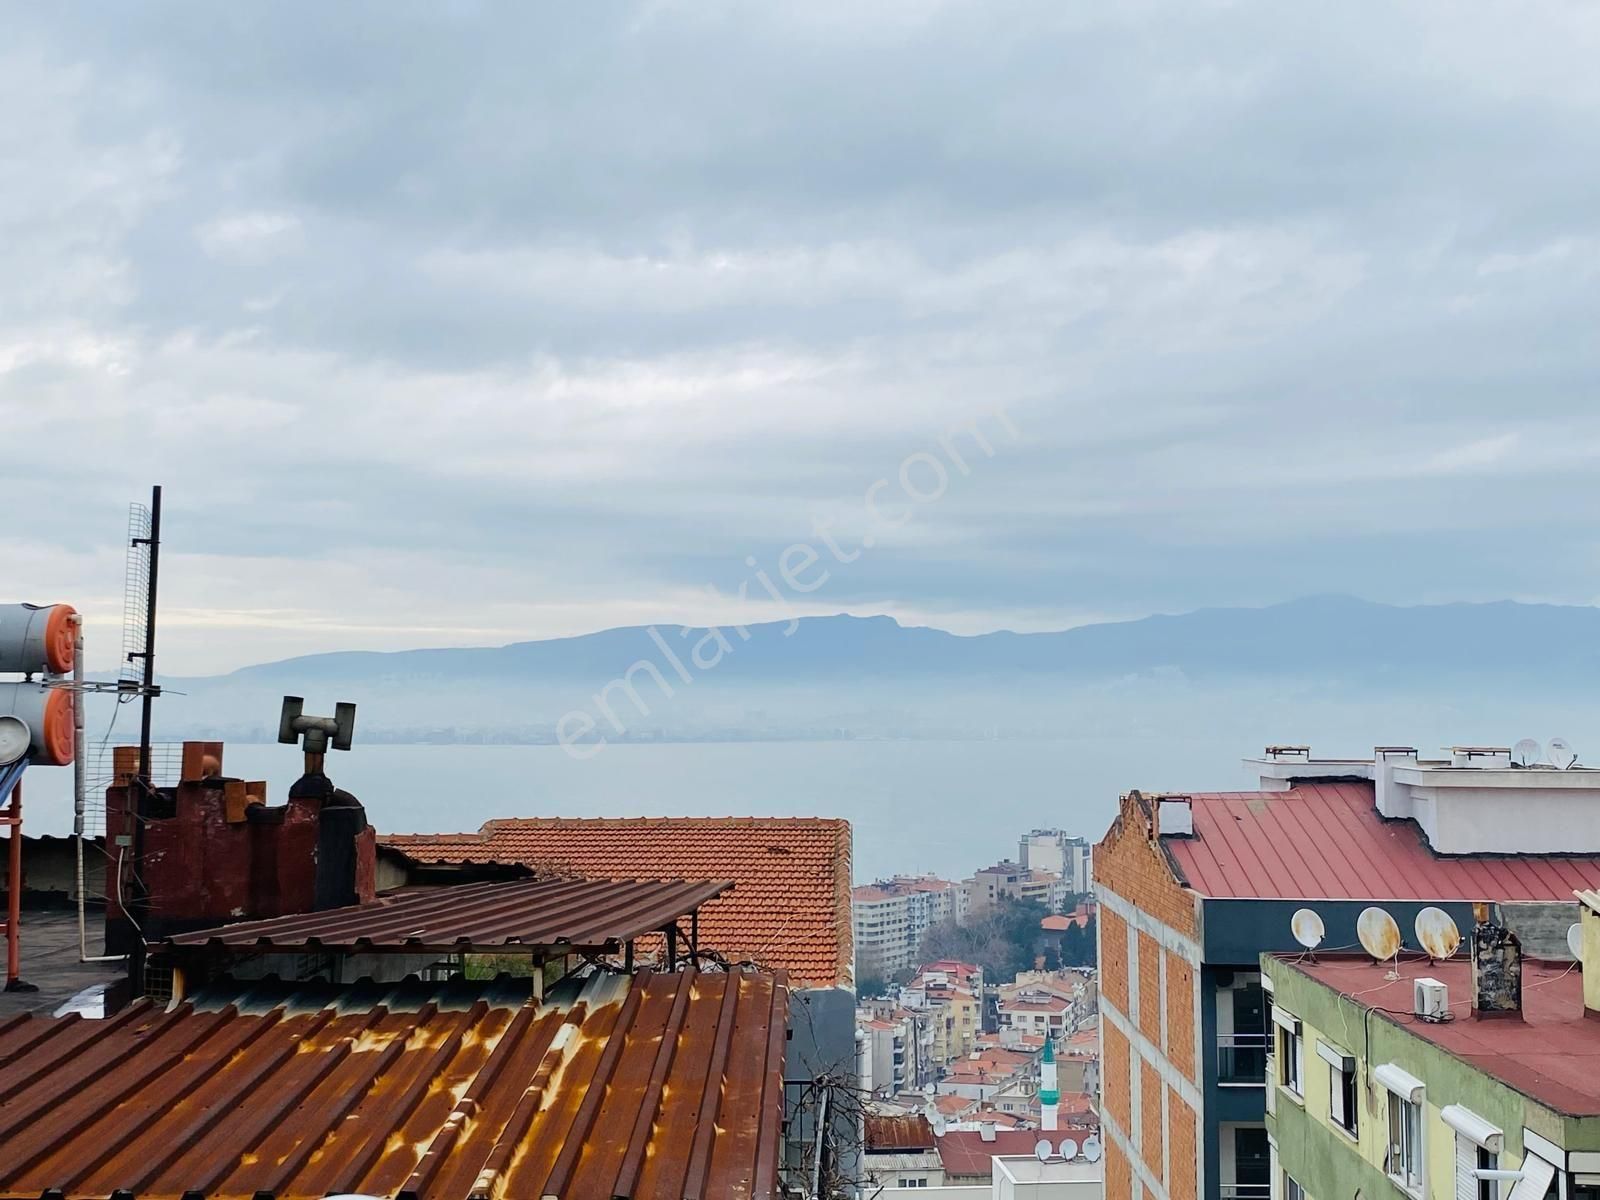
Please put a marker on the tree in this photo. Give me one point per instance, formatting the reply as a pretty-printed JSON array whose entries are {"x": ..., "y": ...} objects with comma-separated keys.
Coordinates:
[{"x": 1003, "y": 940}]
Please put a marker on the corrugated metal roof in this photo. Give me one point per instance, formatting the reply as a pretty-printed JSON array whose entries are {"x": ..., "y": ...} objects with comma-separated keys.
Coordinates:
[
  {"x": 655, "y": 1085},
  {"x": 552, "y": 914},
  {"x": 790, "y": 911},
  {"x": 1326, "y": 841},
  {"x": 886, "y": 1133}
]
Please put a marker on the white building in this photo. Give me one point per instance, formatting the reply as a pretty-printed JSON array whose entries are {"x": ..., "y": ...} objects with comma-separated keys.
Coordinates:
[
  {"x": 1060, "y": 854},
  {"x": 891, "y": 916}
]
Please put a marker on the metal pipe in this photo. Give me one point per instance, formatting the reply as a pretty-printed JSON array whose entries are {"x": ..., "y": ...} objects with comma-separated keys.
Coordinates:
[
  {"x": 80, "y": 791},
  {"x": 14, "y": 889}
]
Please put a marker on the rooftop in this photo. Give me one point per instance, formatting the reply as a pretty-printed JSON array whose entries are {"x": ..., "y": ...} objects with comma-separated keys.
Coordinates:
[
  {"x": 1552, "y": 1055},
  {"x": 886, "y": 1133},
  {"x": 966, "y": 1153},
  {"x": 645, "y": 1086},
  {"x": 1326, "y": 840},
  {"x": 790, "y": 907},
  {"x": 555, "y": 915},
  {"x": 50, "y": 962}
]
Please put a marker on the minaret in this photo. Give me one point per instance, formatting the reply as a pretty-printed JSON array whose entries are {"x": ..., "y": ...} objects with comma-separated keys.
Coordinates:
[{"x": 1049, "y": 1096}]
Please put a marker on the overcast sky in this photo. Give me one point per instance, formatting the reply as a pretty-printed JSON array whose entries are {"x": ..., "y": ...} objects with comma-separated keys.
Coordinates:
[{"x": 454, "y": 324}]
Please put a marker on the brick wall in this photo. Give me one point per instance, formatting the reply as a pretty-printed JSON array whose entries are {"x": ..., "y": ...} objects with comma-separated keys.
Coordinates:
[
  {"x": 1150, "y": 988},
  {"x": 1183, "y": 1132},
  {"x": 1116, "y": 1075},
  {"x": 1119, "y": 1174},
  {"x": 1113, "y": 959},
  {"x": 1180, "y": 1015},
  {"x": 1131, "y": 864},
  {"x": 1151, "y": 1090}
]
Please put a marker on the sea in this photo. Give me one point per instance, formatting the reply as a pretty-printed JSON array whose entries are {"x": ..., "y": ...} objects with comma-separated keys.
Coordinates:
[{"x": 948, "y": 807}]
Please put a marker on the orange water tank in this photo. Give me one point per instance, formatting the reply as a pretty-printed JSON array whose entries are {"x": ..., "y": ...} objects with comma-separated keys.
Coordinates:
[
  {"x": 47, "y": 712},
  {"x": 36, "y": 638}
]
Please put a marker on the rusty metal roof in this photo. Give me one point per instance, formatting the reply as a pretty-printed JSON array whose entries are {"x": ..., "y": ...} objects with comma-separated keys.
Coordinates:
[
  {"x": 644, "y": 1086},
  {"x": 549, "y": 914}
]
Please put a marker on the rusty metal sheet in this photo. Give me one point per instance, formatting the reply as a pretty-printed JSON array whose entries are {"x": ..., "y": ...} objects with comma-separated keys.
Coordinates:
[
  {"x": 652, "y": 1085},
  {"x": 552, "y": 914}
]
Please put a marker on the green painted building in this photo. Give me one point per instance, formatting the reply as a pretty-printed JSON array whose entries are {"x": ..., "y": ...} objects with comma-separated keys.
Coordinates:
[{"x": 1402, "y": 1081}]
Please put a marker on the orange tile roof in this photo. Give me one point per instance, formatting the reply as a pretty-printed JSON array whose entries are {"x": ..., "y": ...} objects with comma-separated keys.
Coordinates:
[{"x": 790, "y": 906}]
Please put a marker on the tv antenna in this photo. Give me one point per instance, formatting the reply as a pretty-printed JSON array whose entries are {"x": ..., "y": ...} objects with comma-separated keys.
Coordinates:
[
  {"x": 1307, "y": 928},
  {"x": 1528, "y": 753},
  {"x": 1379, "y": 937},
  {"x": 1437, "y": 933}
]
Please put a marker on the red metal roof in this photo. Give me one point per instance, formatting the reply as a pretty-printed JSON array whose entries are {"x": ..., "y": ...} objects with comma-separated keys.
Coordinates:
[
  {"x": 1326, "y": 841},
  {"x": 547, "y": 914},
  {"x": 965, "y": 1153},
  {"x": 1552, "y": 1054},
  {"x": 790, "y": 910},
  {"x": 655, "y": 1085},
  {"x": 886, "y": 1133}
]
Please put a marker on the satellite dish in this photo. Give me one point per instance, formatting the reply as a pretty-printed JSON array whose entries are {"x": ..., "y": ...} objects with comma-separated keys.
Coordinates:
[
  {"x": 15, "y": 738},
  {"x": 1437, "y": 933},
  {"x": 1092, "y": 1149},
  {"x": 1378, "y": 933},
  {"x": 1069, "y": 1149},
  {"x": 1562, "y": 755},
  {"x": 1042, "y": 1150},
  {"x": 1528, "y": 753},
  {"x": 1575, "y": 942},
  {"x": 1307, "y": 928},
  {"x": 929, "y": 1090},
  {"x": 940, "y": 1125}
]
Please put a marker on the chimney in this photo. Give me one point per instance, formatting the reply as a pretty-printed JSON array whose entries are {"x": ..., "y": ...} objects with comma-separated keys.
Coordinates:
[
  {"x": 1496, "y": 966},
  {"x": 1174, "y": 816},
  {"x": 986, "y": 1131}
]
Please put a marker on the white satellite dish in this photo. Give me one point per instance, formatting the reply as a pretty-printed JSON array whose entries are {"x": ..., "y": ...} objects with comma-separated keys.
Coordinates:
[
  {"x": 1307, "y": 928},
  {"x": 1378, "y": 933},
  {"x": 1069, "y": 1149},
  {"x": 1437, "y": 933},
  {"x": 1042, "y": 1150},
  {"x": 1528, "y": 753},
  {"x": 1092, "y": 1149},
  {"x": 1562, "y": 755},
  {"x": 940, "y": 1125},
  {"x": 1575, "y": 942},
  {"x": 15, "y": 738}
]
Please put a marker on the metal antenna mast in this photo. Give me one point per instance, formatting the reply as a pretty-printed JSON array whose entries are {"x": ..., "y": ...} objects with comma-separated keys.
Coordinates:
[{"x": 147, "y": 654}]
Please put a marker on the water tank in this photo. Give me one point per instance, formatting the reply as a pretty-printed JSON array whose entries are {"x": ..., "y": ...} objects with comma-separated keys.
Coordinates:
[
  {"x": 35, "y": 638},
  {"x": 47, "y": 712}
]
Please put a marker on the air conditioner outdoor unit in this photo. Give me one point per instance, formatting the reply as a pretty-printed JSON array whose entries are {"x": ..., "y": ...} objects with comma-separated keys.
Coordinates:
[{"x": 1430, "y": 1000}]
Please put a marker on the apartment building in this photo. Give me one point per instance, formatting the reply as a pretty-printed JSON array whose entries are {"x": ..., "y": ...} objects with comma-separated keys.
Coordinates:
[
  {"x": 1016, "y": 882},
  {"x": 1057, "y": 853},
  {"x": 890, "y": 918},
  {"x": 951, "y": 994},
  {"x": 1470, "y": 1078},
  {"x": 1194, "y": 888}
]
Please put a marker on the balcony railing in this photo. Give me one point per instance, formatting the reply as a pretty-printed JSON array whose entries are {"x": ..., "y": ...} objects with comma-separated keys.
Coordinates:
[
  {"x": 1245, "y": 1191},
  {"x": 1242, "y": 1058}
]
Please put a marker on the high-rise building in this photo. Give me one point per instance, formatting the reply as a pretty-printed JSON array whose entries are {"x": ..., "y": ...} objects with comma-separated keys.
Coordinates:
[
  {"x": 891, "y": 917},
  {"x": 1054, "y": 851}
]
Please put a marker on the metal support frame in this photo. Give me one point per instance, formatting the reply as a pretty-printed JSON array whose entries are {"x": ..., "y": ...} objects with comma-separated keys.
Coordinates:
[{"x": 11, "y": 818}]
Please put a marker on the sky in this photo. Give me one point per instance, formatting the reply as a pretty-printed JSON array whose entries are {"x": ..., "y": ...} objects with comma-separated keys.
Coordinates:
[{"x": 461, "y": 324}]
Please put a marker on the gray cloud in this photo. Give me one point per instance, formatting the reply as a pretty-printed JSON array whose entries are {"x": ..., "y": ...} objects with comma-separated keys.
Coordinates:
[{"x": 471, "y": 322}]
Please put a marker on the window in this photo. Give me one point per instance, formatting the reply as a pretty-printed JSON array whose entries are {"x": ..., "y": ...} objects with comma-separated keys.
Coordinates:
[
  {"x": 919, "y": 1181},
  {"x": 1405, "y": 1142},
  {"x": 1290, "y": 1062},
  {"x": 1292, "y": 1190},
  {"x": 1342, "y": 1105},
  {"x": 1488, "y": 1160}
]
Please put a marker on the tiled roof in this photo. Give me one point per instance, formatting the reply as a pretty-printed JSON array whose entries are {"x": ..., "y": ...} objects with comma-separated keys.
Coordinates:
[
  {"x": 1055, "y": 1004},
  {"x": 655, "y": 1085},
  {"x": 1552, "y": 1054},
  {"x": 1327, "y": 841},
  {"x": 790, "y": 907},
  {"x": 965, "y": 1153}
]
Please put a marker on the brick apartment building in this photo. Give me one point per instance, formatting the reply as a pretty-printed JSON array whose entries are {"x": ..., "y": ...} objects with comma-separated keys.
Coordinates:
[{"x": 1194, "y": 888}]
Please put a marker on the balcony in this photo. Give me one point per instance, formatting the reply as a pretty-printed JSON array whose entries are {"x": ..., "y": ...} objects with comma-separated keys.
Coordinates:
[
  {"x": 1245, "y": 1191},
  {"x": 1242, "y": 1061}
]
